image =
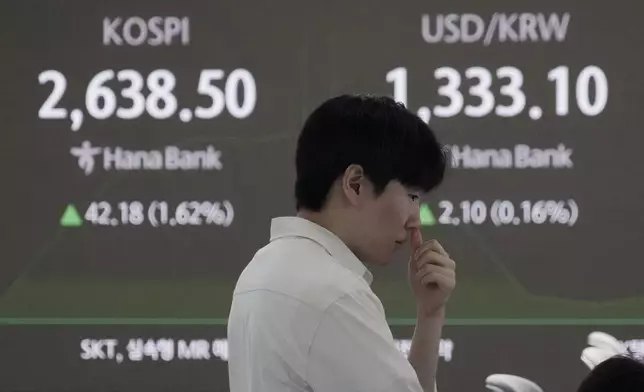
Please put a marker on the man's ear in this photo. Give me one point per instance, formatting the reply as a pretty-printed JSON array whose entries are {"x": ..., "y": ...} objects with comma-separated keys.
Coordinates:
[{"x": 353, "y": 183}]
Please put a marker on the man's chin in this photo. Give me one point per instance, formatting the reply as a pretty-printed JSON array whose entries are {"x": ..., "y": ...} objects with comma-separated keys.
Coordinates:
[{"x": 383, "y": 260}]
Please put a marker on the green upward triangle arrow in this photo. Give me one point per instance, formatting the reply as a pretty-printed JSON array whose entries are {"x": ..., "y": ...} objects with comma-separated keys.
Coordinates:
[
  {"x": 70, "y": 217},
  {"x": 426, "y": 216}
]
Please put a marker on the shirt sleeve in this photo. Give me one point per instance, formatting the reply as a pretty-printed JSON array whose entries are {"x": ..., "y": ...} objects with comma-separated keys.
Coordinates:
[{"x": 353, "y": 350}]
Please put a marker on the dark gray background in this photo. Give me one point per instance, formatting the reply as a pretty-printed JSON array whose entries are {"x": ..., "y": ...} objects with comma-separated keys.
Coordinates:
[{"x": 301, "y": 53}]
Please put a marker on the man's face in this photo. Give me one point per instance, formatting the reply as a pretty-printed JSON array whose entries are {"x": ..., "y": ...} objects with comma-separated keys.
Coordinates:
[{"x": 386, "y": 221}]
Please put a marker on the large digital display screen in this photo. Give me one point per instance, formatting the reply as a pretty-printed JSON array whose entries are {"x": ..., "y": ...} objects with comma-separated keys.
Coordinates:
[{"x": 147, "y": 145}]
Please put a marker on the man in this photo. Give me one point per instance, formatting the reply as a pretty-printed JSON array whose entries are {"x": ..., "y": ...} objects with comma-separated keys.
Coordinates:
[{"x": 303, "y": 315}]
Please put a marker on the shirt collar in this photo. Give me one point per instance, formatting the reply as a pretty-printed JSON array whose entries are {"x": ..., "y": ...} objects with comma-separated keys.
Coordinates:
[{"x": 294, "y": 226}]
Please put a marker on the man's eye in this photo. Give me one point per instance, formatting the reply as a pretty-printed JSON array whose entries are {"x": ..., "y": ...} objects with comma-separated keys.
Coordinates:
[{"x": 414, "y": 197}]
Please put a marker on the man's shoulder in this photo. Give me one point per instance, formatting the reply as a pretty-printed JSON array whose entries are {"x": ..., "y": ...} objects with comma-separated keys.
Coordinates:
[{"x": 299, "y": 269}]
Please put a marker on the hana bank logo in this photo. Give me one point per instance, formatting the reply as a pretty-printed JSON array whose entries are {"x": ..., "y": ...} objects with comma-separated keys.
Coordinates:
[{"x": 600, "y": 347}]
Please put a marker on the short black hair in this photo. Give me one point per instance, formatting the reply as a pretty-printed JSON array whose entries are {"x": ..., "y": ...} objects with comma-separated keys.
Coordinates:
[
  {"x": 376, "y": 132},
  {"x": 622, "y": 373}
]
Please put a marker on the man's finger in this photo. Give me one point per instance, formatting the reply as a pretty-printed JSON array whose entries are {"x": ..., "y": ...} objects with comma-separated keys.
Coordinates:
[
  {"x": 432, "y": 257},
  {"x": 429, "y": 269},
  {"x": 443, "y": 281},
  {"x": 416, "y": 239},
  {"x": 430, "y": 245}
]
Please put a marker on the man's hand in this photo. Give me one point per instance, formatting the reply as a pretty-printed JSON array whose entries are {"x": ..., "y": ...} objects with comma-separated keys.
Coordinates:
[{"x": 432, "y": 275}]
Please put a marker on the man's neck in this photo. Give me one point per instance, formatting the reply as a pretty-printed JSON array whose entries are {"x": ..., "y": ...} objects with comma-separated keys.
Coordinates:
[{"x": 326, "y": 220}]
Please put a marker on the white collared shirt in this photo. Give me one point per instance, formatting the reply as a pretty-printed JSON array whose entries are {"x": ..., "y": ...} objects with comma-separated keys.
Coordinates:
[{"x": 304, "y": 318}]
